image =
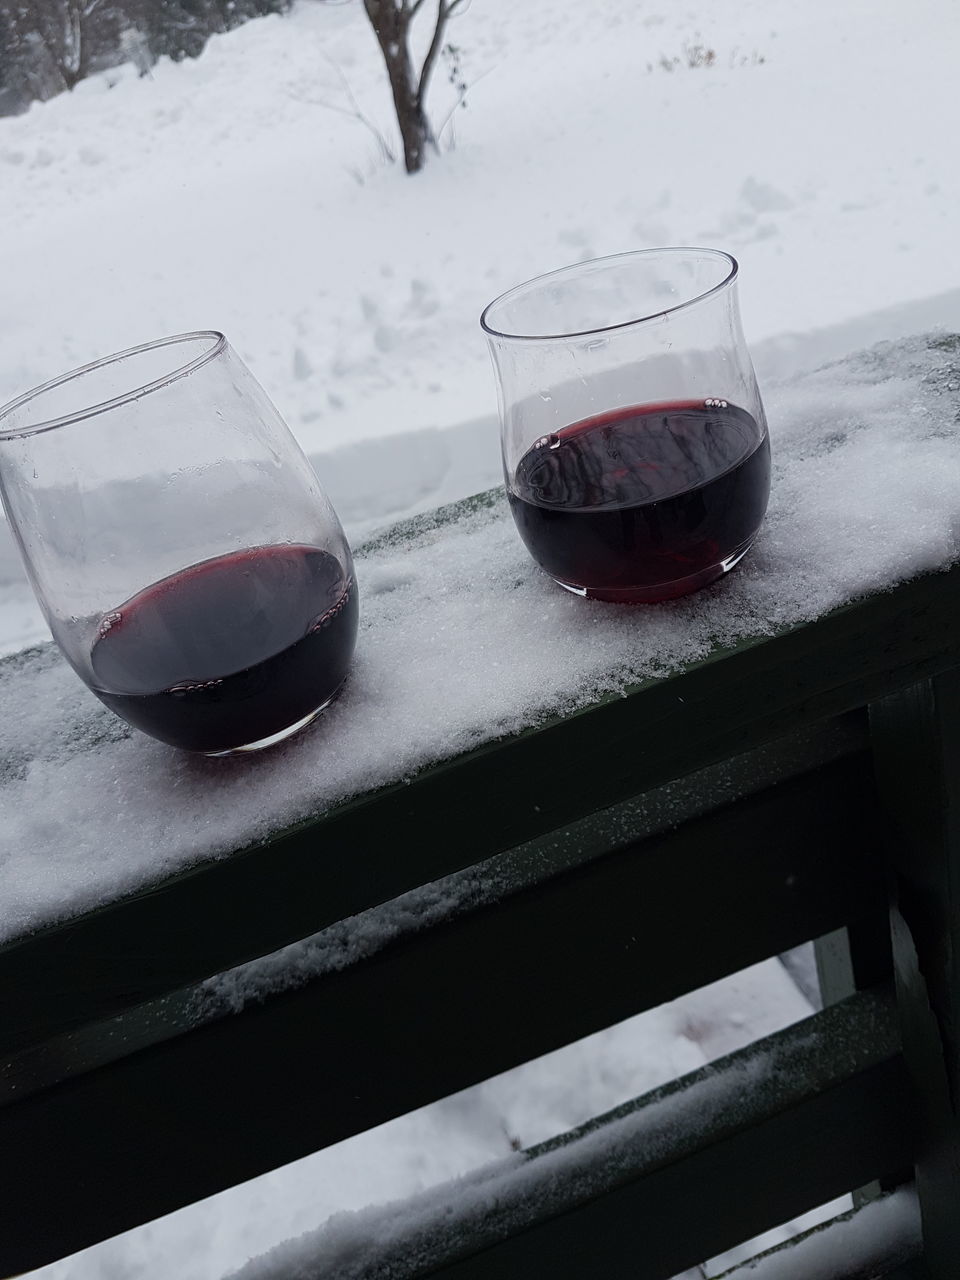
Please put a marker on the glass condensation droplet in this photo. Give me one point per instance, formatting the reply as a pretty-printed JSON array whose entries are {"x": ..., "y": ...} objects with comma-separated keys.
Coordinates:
[{"x": 109, "y": 621}]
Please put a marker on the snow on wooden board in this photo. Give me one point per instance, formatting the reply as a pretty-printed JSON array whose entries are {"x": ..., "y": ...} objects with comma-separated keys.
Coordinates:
[
  {"x": 464, "y": 640},
  {"x": 881, "y": 1235},
  {"x": 426, "y": 1232}
]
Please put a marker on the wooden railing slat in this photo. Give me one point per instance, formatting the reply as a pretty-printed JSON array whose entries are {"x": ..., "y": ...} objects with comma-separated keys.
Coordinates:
[
  {"x": 917, "y": 749},
  {"x": 677, "y": 1176},
  {"x": 432, "y": 1012}
]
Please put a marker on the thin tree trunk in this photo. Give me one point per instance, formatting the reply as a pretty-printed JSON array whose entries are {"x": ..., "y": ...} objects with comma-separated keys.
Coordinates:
[
  {"x": 391, "y": 25},
  {"x": 414, "y": 126}
]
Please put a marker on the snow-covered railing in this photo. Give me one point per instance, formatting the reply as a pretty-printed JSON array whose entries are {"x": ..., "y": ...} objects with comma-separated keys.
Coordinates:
[
  {"x": 528, "y": 818},
  {"x": 614, "y": 1182}
]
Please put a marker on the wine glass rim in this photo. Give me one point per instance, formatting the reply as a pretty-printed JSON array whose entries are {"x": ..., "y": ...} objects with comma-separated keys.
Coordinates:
[
  {"x": 218, "y": 344},
  {"x": 610, "y": 259}
]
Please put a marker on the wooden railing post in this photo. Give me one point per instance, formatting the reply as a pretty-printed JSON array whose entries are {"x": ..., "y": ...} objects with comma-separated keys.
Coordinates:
[{"x": 916, "y": 736}]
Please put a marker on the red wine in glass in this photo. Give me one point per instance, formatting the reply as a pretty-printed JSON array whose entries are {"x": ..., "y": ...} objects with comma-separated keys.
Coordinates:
[
  {"x": 233, "y": 649},
  {"x": 645, "y": 503}
]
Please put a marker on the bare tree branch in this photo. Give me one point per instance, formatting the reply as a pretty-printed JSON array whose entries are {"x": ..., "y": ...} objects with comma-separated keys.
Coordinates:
[
  {"x": 361, "y": 116},
  {"x": 353, "y": 112},
  {"x": 461, "y": 99},
  {"x": 70, "y": 61},
  {"x": 443, "y": 10}
]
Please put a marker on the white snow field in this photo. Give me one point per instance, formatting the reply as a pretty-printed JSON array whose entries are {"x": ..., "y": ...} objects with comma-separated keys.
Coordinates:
[{"x": 232, "y": 192}]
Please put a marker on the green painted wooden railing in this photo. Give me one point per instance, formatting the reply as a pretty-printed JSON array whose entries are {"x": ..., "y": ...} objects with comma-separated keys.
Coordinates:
[{"x": 779, "y": 791}]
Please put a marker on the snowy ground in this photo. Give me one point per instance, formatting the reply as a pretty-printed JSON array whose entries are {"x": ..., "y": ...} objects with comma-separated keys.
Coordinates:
[
  {"x": 224, "y": 193},
  {"x": 220, "y": 193}
]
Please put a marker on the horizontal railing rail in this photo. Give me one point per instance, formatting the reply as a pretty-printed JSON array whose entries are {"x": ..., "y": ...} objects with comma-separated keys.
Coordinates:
[
  {"x": 669, "y": 1179},
  {"x": 430, "y": 1012}
]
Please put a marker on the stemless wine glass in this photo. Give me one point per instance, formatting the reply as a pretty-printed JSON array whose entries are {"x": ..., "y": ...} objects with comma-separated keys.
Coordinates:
[
  {"x": 635, "y": 448},
  {"x": 185, "y": 556}
]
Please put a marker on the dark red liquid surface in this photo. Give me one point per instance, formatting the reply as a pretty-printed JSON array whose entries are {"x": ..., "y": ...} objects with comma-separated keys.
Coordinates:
[
  {"x": 645, "y": 503},
  {"x": 231, "y": 650}
]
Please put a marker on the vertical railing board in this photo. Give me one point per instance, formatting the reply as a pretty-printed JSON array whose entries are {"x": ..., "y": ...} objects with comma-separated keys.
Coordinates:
[{"x": 916, "y": 736}]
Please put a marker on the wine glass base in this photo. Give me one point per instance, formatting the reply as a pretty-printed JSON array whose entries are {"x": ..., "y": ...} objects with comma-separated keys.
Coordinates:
[
  {"x": 661, "y": 591},
  {"x": 281, "y": 735}
]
